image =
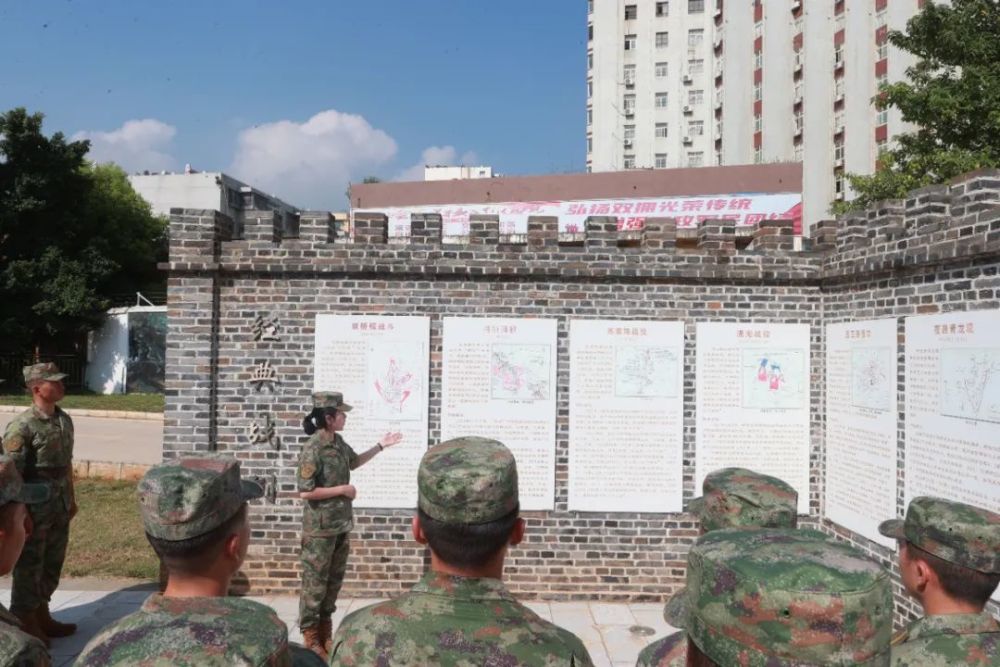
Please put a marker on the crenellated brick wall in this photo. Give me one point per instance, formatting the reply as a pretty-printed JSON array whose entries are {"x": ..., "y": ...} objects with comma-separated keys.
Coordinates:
[{"x": 938, "y": 250}]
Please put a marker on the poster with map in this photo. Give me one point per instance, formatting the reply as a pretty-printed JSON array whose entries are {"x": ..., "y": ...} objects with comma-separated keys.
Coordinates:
[
  {"x": 752, "y": 395},
  {"x": 382, "y": 365},
  {"x": 861, "y": 425},
  {"x": 499, "y": 381},
  {"x": 626, "y": 416},
  {"x": 952, "y": 446}
]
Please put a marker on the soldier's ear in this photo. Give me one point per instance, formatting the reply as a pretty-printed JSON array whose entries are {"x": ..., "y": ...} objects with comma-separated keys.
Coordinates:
[
  {"x": 517, "y": 534},
  {"x": 418, "y": 530}
]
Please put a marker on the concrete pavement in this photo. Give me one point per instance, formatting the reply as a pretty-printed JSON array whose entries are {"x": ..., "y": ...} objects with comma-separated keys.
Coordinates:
[
  {"x": 614, "y": 633},
  {"x": 112, "y": 440}
]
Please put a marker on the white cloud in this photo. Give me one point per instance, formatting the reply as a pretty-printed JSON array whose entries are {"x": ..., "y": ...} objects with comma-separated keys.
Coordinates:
[
  {"x": 136, "y": 145},
  {"x": 437, "y": 156},
  {"x": 310, "y": 164}
]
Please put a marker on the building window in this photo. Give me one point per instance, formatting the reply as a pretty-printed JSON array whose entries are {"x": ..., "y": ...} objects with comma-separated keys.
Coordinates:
[
  {"x": 660, "y": 161},
  {"x": 838, "y": 151},
  {"x": 838, "y": 121},
  {"x": 629, "y": 132},
  {"x": 629, "y": 105},
  {"x": 695, "y": 158},
  {"x": 696, "y": 97},
  {"x": 629, "y": 42},
  {"x": 758, "y": 155},
  {"x": 590, "y": 60},
  {"x": 881, "y": 19},
  {"x": 661, "y": 131},
  {"x": 629, "y": 75},
  {"x": 798, "y": 122},
  {"x": 883, "y": 117},
  {"x": 838, "y": 89},
  {"x": 840, "y": 22},
  {"x": 695, "y": 38},
  {"x": 798, "y": 152},
  {"x": 590, "y": 33},
  {"x": 629, "y": 162},
  {"x": 696, "y": 6},
  {"x": 661, "y": 70},
  {"x": 696, "y": 128},
  {"x": 590, "y": 144},
  {"x": 661, "y": 100},
  {"x": 662, "y": 39},
  {"x": 839, "y": 184},
  {"x": 696, "y": 66},
  {"x": 590, "y": 88},
  {"x": 797, "y": 25},
  {"x": 756, "y": 92},
  {"x": 838, "y": 58},
  {"x": 718, "y": 158},
  {"x": 758, "y": 59},
  {"x": 882, "y": 52},
  {"x": 662, "y": 8},
  {"x": 631, "y": 12},
  {"x": 590, "y": 6},
  {"x": 590, "y": 116},
  {"x": 758, "y": 123},
  {"x": 758, "y": 29}
]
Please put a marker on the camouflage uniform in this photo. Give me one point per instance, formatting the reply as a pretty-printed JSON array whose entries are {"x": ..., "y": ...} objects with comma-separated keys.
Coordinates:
[
  {"x": 17, "y": 648},
  {"x": 42, "y": 446},
  {"x": 784, "y": 598},
  {"x": 967, "y": 536},
  {"x": 450, "y": 620},
  {"x": 731, "y": 498},
  {"x": 178, "y": 501},
  {"x": 326, "y": 524}
]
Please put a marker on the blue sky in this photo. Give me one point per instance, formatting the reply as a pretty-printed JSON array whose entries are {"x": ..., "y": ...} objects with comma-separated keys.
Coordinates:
[{"x": 299, "y": 97}]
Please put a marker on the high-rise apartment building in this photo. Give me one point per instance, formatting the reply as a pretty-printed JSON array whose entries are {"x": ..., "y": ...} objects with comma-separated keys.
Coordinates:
[{"x": 686, "y": 83}]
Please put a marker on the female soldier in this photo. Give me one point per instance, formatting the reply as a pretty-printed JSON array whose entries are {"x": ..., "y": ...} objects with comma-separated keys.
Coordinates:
[{"x": 325, "y": 466}]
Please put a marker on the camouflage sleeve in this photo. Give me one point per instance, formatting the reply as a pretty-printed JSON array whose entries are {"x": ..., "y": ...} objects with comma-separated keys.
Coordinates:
[
  {"x": 32, "y": 655},
  {"x": 352, "y": 456},
  {"x": 15, "y": 442},
  {"x": 308, "y": 466}
]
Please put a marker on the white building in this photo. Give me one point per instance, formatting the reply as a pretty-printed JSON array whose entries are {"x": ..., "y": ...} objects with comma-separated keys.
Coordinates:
[
  {"x": 683, "y": 83},
  {"x": 444, "y": 173},
  {"x": 205, "y": 190}
]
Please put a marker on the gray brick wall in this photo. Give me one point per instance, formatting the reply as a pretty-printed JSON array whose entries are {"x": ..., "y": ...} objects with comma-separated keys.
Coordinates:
[{"x": 938, "y": 250}]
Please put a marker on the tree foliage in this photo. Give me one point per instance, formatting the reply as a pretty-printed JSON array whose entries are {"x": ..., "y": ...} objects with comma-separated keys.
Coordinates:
[
  {"x": 952, "y": 95},
  {"x": 71, "y": 235}
]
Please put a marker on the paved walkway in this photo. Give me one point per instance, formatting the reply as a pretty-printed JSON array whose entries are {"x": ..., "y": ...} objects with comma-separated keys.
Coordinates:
[
  {"x": 112, "y": 440},
  {"x": 614, "y": 633}
]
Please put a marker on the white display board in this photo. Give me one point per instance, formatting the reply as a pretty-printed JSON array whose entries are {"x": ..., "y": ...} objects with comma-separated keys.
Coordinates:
[
  {"x": 382, "y": 365},
  {"x": 861, "y": 425},
  {"x": 952, "y": 373},
  {"x": 499, "y": 382},
  {"x": 752, "y": 401},
  {"x": 626, "y": 416}
]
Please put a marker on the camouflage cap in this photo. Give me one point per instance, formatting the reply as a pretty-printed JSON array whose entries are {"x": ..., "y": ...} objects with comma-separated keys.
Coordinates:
[
  {"x": 46, "y": 371},
  {"x": 958, "y": 533},
  {"x": 191, "y": 496},
  {"x": 737, "y": 497},
  {"x": 330, "y": 399},
  {"x": 13, "y": 489},
  {"x": 467, "y": 480},
  {"x": 781, "y": 597}
]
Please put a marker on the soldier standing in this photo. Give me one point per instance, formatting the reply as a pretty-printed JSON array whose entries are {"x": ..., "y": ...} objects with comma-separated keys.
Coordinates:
[
  {"x": 784, "y": 598},
  {"x": 949, "y": 560},
  {"x": 194, "y": 512},
  {"x": 40, "y": 440},
  {"x": 324, "y": 482},
  {"x": 731, "y": 498},
  {"x": 17, "y": 648},
  {"x": 460, "y": 613}
]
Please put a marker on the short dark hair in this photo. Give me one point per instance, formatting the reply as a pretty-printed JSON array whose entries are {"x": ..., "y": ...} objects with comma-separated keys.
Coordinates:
[
  {"x": 696, "y": 657},
  {"x": 465, "y": 544},
  {"x": 195, "y": 553},
  {"x": 958, "y": 581}
]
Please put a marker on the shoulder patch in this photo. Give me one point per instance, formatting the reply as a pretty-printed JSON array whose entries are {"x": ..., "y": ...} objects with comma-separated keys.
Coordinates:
[
  {"x": 307, "y": 470},
  {"x": 14, "y": 443}
]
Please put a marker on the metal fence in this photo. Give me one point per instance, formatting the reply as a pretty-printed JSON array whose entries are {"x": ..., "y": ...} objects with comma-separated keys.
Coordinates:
[{"x": 11, "y": 372}]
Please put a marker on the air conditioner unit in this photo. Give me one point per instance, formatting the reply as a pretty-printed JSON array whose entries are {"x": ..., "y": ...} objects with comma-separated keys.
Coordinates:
[
  {"x": 718, "y": 12},
  {"x": 628, "y": 143},
  {"x": 797, "y": 99},
  {"x": 839, "y": 162},
  {"x": 798, "y": 62},
  {"x": 798, "y": 130},
  {"x": 717, "y": 43},
  {"x": 629, "y": 112},
  {"x": 718, "y": 104},
  {"x": 629, "y": 83},
  {"x": 796, "y": 5},
  {"x": 839, "y": 129},
  {"x": 688, "y": 140},
  {"x": 688, "y": 108},
  {"x": 687, "y": 78}
]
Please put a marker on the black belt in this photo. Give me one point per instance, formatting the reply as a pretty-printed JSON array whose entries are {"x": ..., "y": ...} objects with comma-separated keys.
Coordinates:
[{"x": 48, "y": 474}]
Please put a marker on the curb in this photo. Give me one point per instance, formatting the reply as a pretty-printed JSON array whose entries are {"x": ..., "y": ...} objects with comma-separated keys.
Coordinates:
[
  {"x": 105, "y": 414},
  {"x": 130, "y": 472}
]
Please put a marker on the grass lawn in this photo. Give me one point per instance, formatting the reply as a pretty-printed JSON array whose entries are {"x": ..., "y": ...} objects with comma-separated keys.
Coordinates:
[
  {"x": 106, "y": 537},
  {"x": 126, "y": 402}
]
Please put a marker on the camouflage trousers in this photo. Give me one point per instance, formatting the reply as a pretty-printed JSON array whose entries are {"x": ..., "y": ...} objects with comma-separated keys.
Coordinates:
[
  {"x": 324, "y": 562},
  {"x": 37, "y": 572}
]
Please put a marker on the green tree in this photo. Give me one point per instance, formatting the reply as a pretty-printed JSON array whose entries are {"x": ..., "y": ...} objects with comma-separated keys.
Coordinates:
[
  {"x": 71, "y": 236},
  {"x": 952, "y": 94}
]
